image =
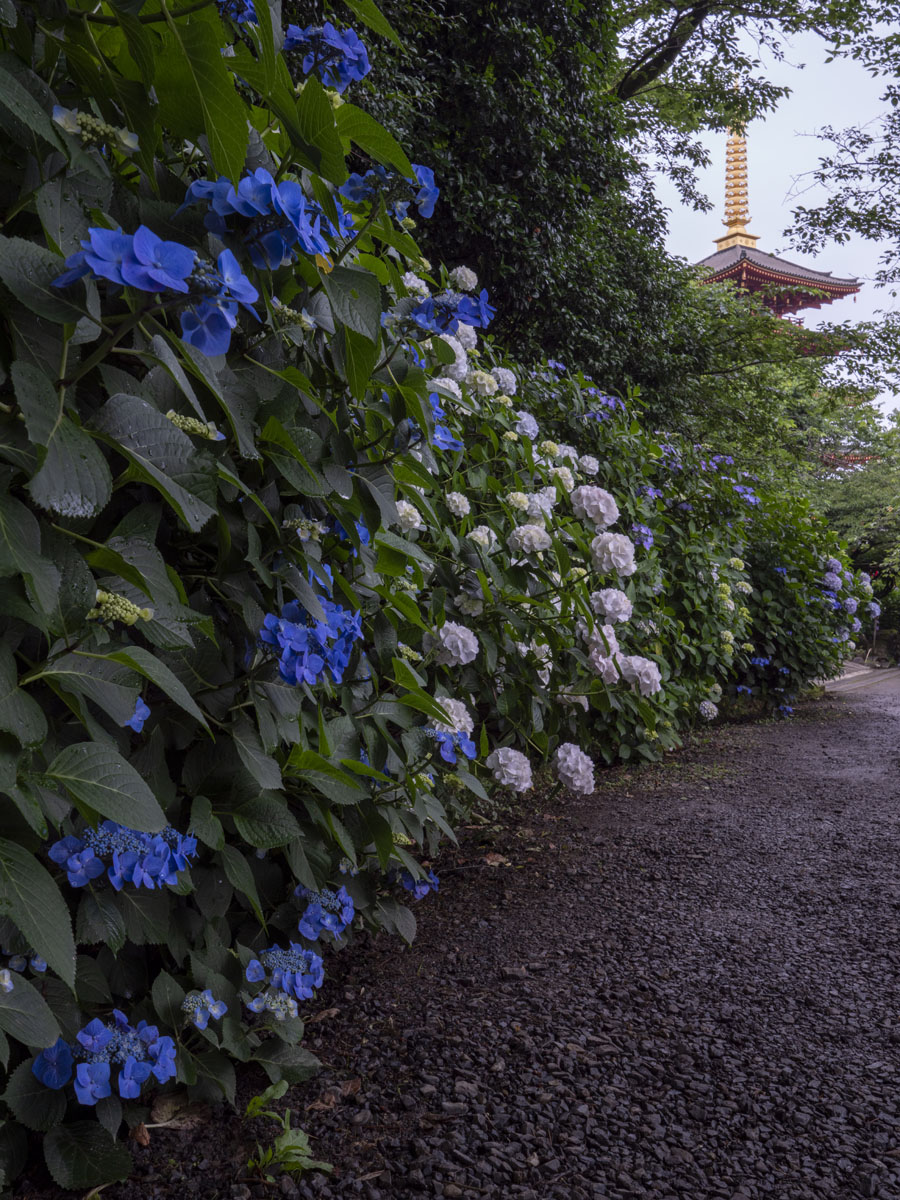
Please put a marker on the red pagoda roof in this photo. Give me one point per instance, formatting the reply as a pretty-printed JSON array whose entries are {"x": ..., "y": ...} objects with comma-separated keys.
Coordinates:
[{"x": 791, "y": 286}]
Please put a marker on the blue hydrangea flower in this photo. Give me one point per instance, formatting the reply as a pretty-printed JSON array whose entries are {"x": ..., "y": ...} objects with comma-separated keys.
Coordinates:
[
  {"x": 428, "y": 191},
  {"x": 200, "y": 1006},
  {"x": 419, "y": 887},
  {"x": 95, "y": 1036},
  {"x": 92, "y": 1082},
  {"x": 242, "y": 12},
  {"x": 296, "y": 971},
  {"x": 140, "y": 715},
  {"x": 327, "y": 910},
  {"x": 208, "y": 326},
  {"x": 338, "y": 58},
  {"x": 53, "y": 1066},
  {"x": 443, "y": 438},
  {"x": 746, "y": 493},
  {"x": 760, "y": 662},
  {"x": 873, "y": 608},
  {"x": 450, "y": 743},
  {"x": 643, "y": 535},
  {"x": 308, "y": 646},
  {"x": 127, "y": 855},
  {"x": 153, "y": 265},
  {"x": 132, "y": 1077}
]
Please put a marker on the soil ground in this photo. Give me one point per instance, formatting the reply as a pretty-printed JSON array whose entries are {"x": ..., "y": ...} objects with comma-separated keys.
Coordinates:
[{"x": 682, "y": 988}]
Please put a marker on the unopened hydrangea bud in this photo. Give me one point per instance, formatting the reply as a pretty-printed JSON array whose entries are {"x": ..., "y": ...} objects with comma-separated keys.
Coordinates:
[
  {"x": 503, "y": 400},
  {"x": 192, "y": 425},
  {"x": 551, "y": 449},
  {"x": 510, "y": 436},
  {"x": 110, "y": 606},
  {"x": 408, "y": 653},
  {"x": 6, "y": 981}
]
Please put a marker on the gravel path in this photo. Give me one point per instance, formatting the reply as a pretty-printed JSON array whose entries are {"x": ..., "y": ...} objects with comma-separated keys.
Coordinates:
[{"x": 686, "y": 987}]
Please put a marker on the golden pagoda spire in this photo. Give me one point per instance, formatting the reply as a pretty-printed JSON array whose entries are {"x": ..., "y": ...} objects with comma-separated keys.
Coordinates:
[{"x": 737, "y": 207}]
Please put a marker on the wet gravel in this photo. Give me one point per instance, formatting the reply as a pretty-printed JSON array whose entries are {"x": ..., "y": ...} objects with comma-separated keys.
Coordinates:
[{"x": 684, "y": 987}]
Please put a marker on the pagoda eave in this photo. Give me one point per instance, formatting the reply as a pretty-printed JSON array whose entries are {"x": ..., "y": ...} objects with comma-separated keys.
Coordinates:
[{"x": 796, "y": 294}]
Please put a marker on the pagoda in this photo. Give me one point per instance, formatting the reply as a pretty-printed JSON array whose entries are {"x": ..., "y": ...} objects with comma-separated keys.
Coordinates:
[{"x": 783, "y": 286}]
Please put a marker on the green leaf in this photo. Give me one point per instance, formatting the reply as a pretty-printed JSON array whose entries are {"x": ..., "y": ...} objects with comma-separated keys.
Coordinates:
[
  {"x": 369, "y": 13},
  {"x": 99, "y": 921},
  {"x": 13, "y": 1139},
  {"x": 324, "y": 776},
  {"x": 355, "y": 298},
  {"x": 24, "y": 121},
  {"x": 374, "y": 140},
  {"x": 162, "y": 455},
  {"x": 195, "y": 88},
  {"x": 109, "y": 685},
  {"x": 360, "y": 356},
  {"x": 74, "y": 479},
  {"x": 29, "y": 897},
  {"x": 83, "y": 1155},
  {"x": 26, "y": 1016},
  {"x": 147, "y": 916},
  {"x": 262, "y": 766},
  {"x": 62, "y": 216},
  {"x": 282, "y": 1061},
  {"x": 205, "y": 824},
  {"x": 167, "y": 997},
  {"x": 266, "y": 822},
  {"x": 397, "y": 918},
  {"x": 237, "y": 869},
  {"x": 19, "y": 714},
  {"x": 20, "y": 543},
  {"x": 32, "y": 1102},
  {"x": 91, "y": 985},
  {"x": 98, "y": 778},
  {"x": 28, "y": 272},
  {"x": 151, "y": 668}
]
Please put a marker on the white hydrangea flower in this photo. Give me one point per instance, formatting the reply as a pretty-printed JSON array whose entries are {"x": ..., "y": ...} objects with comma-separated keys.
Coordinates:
[
  {"x": 517, "y": 500},
  {"x": 483, "y": 536},
  {"x": 527, "y": 426},
  {"x": 736, "y": 563},
  {"x": 450, "y": 385},
  {"x": 542, "y": 503},
  {"x": 613, "y": 552},
  {"x": 595, "y": 504},
  {"x": 505, "y": 401},
  {"x": 569, "y": 452},
  {"x": 601, "y": 637},
  {"x": 744, "y": 586},
  {"x": 484, "y": 384},
  {"x": 464, "y": 278},
  {"x": 570, "y": 698},
  {"x": 551, "y": 449},
  {"x": 588, "y": 464},
  {"x": 466, "y": 336},
  {"x": 728, "y": 605},
  {"x": 458, "y": 504},
  {"x": 505, "y": 380},
  {"x": 409, "y": 516},
  {"x": 510, "y": 768},
  {"x": 611, "y": 603},
  {"x": 605, "y": 665},
  {"x": 708, "y": 710},
  {"x": 643, "y": 672},
  {"x": 529, "y": 539},
  {"x": 471, "y": 606},
  {"x": 459, "y": 369},
  {"x": 564, "y": 477},
  {"x": 460, "y": 717},
  {"x": 574, "y": 769},
  {"x": 413, "y": 283},
  {"x": 458, "y": 645}
]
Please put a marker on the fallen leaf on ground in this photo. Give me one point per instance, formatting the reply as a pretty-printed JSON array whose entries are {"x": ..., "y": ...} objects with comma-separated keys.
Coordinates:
[
  {"x": 140, "y": 1135},
  {"x": 325, "y": 1015},
  {"x": 496, "y": 860}
]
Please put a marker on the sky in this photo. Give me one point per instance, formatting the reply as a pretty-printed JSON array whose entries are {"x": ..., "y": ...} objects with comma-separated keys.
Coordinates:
[{"x": 780, "y": 149}]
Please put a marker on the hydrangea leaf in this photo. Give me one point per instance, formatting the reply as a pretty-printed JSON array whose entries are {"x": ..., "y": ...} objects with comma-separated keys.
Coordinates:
[
  {"x": 20, "y": 715},
  {"x": 265, "y": 822},
  {"x": 281, "y": 1061},
  {"x": 98, "y": 778},
  {"x": 355, "y": 298},
  {"x": 24, "y": 121},
  {"x": 262, "y": 766},
  {"x": 237, "y": 869},
  {"x": 157, "y": 672},
  {"x": 370, "y": 14},
  {"x": 30, "y": 898},
  {"x": 25, "y": 1015},
  {"x": 99, "y": 921},
  {"x": 32, "y": 1102},
  {"x": 83, "y": 1155},
  {"x": 20, "y": 541},
  {"x": 356, "y": 125},
  {"x": 28, "y": 271}
]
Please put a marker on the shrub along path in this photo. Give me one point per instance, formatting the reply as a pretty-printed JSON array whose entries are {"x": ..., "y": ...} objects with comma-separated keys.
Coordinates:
[{"x": 686, "y": 987}]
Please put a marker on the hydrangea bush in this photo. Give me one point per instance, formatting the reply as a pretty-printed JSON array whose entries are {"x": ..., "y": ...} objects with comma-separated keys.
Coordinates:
[{"x": 291, "y": 557}]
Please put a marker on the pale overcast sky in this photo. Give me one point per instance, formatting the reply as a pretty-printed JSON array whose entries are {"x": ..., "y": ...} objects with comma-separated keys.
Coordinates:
[{"x": 779, "y": 149}]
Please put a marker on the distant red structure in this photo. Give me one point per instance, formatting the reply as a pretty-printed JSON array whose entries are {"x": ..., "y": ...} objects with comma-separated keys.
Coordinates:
[{"x": 783, "y": 286}]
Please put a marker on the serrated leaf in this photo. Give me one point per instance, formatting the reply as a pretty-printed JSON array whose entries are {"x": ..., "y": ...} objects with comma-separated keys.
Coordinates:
[
  {"x": 374, "y": 140},
  {"x": 370, "y": 14},
  {"x": 167, "y": 997},
  {"x": 84, "y": 1155},
  {"x": 91, "y": 985},
  {"x": 241, "y": 878},
  {"x": 98, "y": 777},
  {"x": 99, "y": 921},
  {"x": 195, "y": 88},
  {"x": 32, "y": 1102},
  {"x": 397, "y": 917},
  {"x": 107, "y": 684},
  {"x": 29, "y": 897},
  {"x": 205, "y": 824},
  {"x": 20, "y": 543},
  {"x": 162, "y": 455},
  {"x": 151, "y": 668},
  {"x": 281, "y": 1061},
  {"x": 262, "y": 766},
  {"x": 28, "y": 271},
  {"x": 20, "y": 715},
  {"x": 324, "y": 776},
  {"x": 26, "y": 1016},
  {"x": 24, "y": 121},
  {"x": 266, "y": 822},
  {"x": 355, "y": 298}
]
